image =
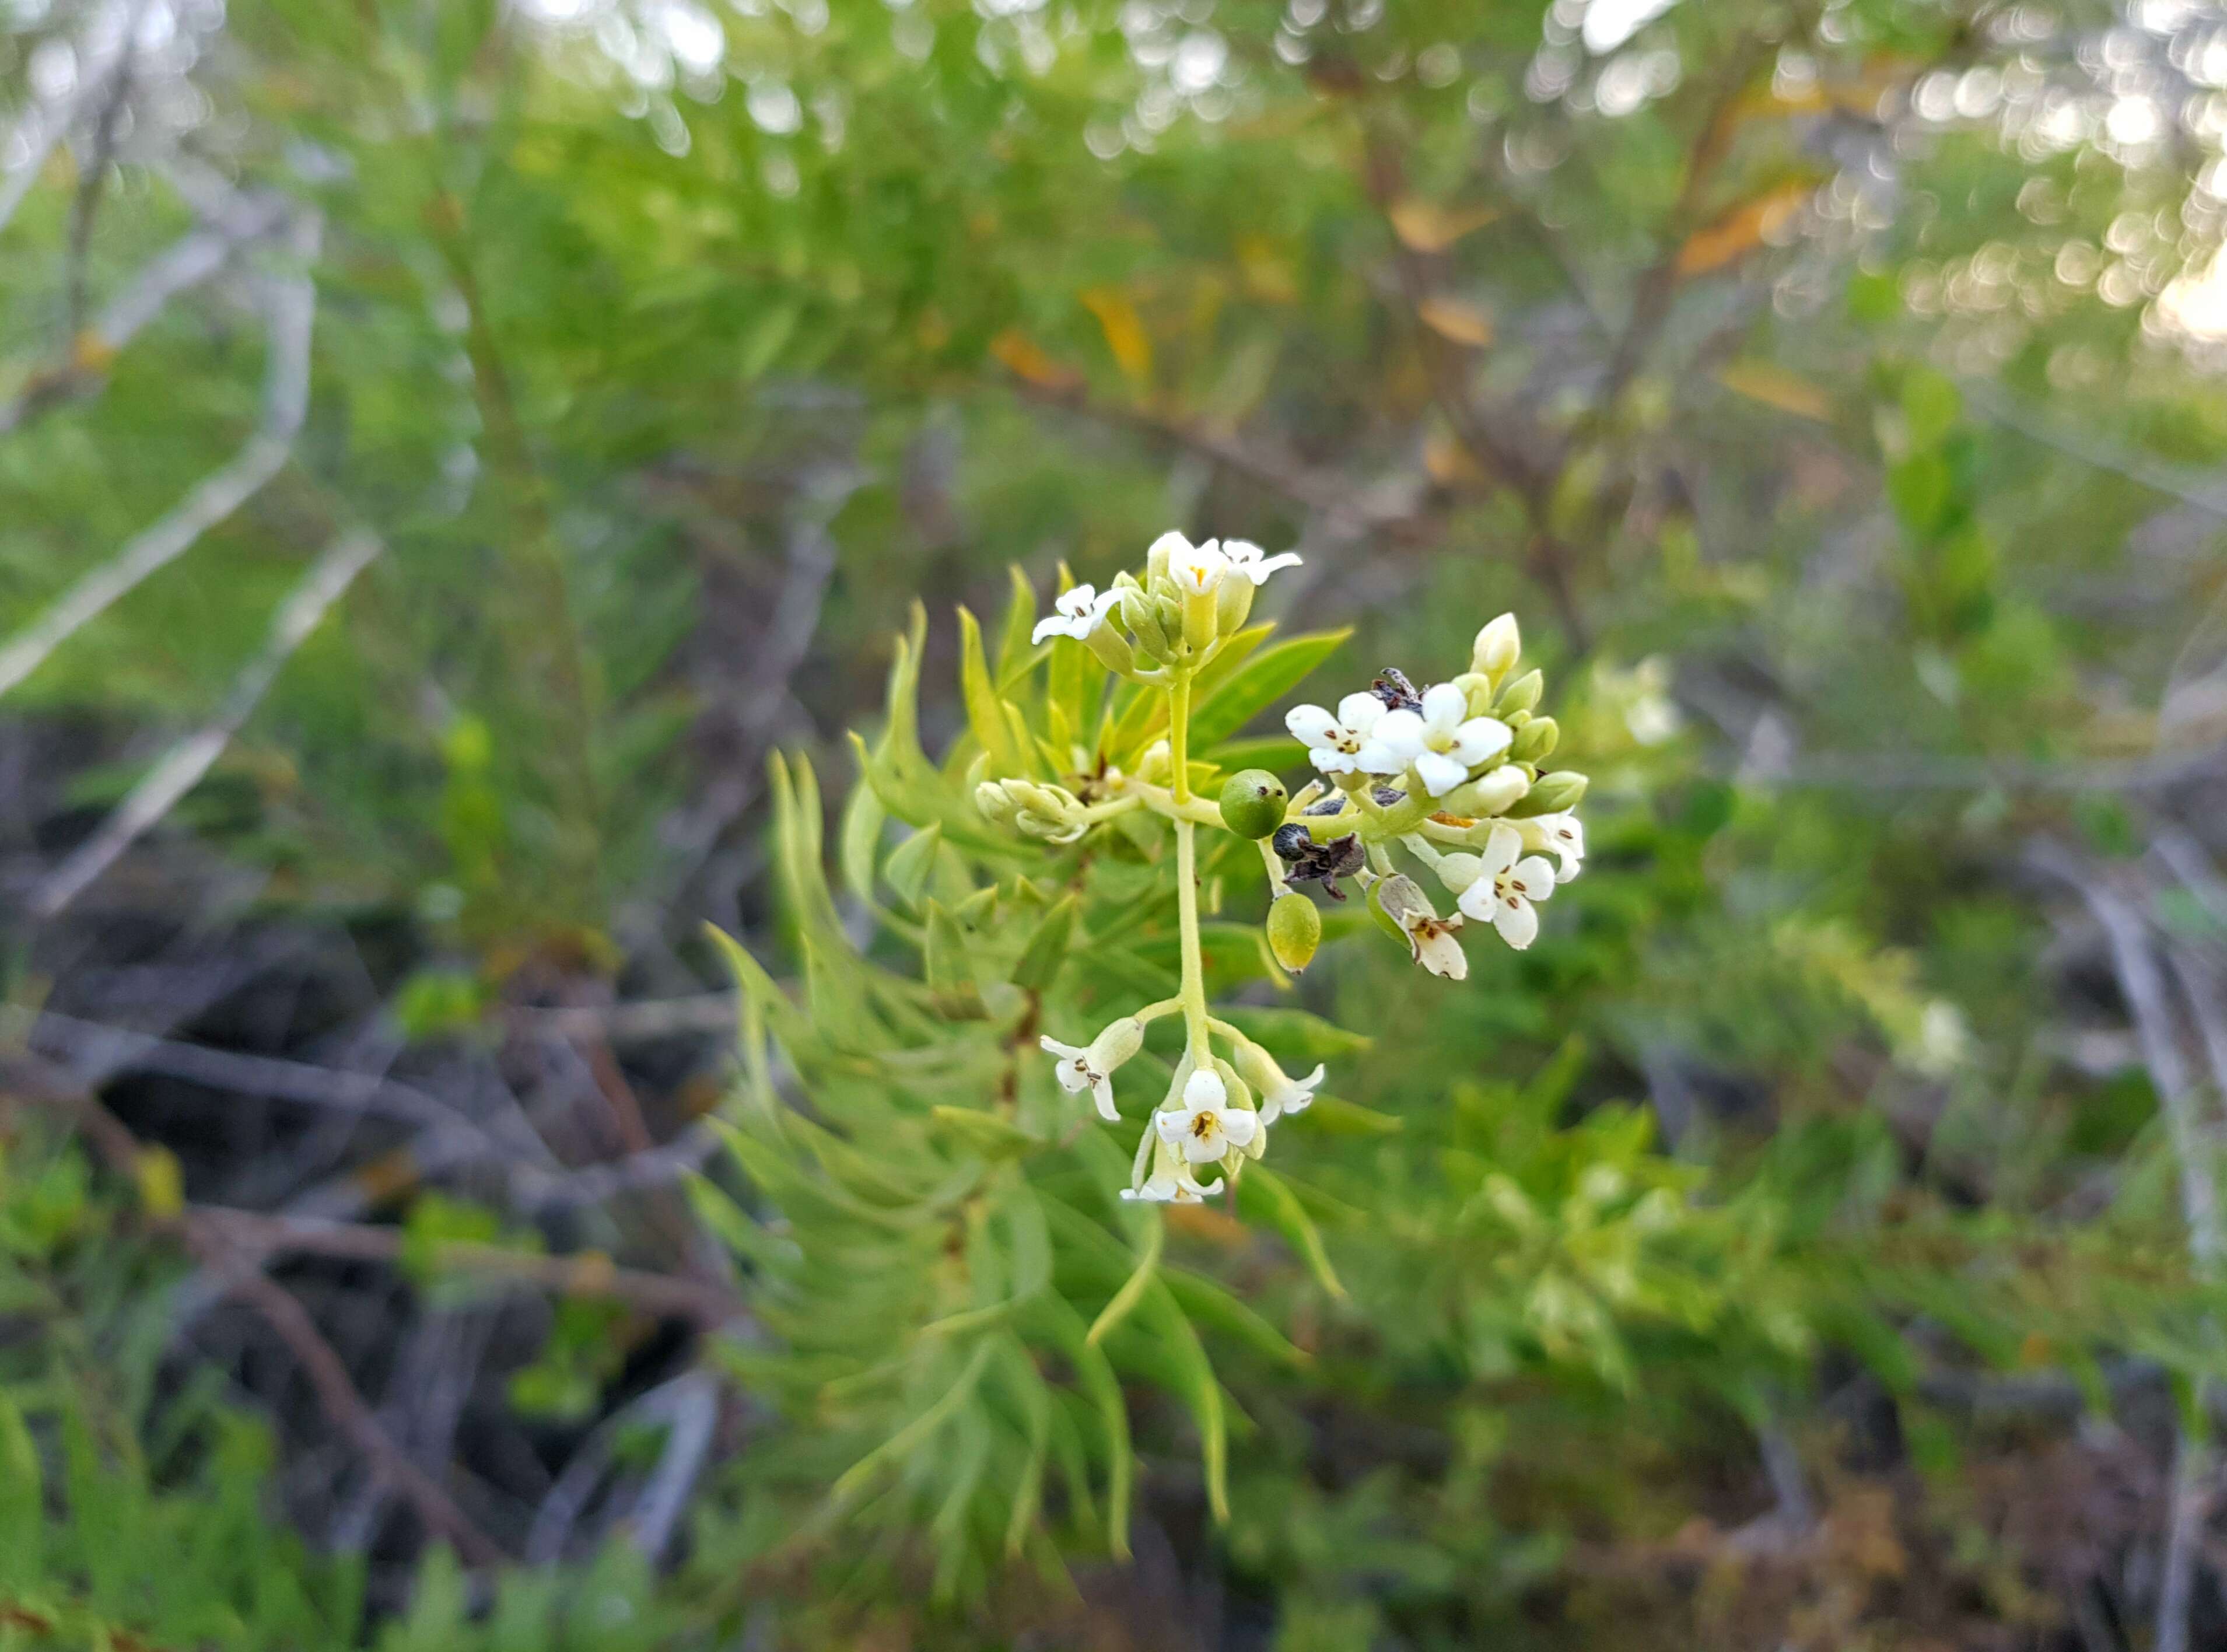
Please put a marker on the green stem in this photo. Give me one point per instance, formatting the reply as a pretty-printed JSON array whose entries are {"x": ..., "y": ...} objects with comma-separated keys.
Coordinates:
[
  {"x": 1179, "y": 736},
  {"x": 1193, "y": 972}
]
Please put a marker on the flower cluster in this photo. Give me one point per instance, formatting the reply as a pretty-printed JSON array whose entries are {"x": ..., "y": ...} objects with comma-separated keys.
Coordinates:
[{"x": 1448, "y": 776}]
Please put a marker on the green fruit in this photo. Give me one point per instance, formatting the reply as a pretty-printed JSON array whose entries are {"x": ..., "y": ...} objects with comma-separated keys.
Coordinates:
[
  {"x": 1253, "y": 802},
  {"x": 1294, "y": 930}
]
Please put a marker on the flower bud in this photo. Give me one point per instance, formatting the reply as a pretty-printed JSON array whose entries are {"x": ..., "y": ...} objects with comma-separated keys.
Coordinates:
[
  {"x": 1520, "y": 695},
  {"x": 1489, "y": 793},
  {"x": 1121, "y": 1040},
  {"x": 1478, "y": 688},
  {"x": 1535, "y": 739},
  {"x": 1253, "y": 802},
  {"x": 1294, "y": 930},
  {"x": 990, "y": 798},
  {"x": 1458, "y": 871},
  {"x": 1112, "y": 649},
  {"x": 1157, "y": 766},
  {"x": 1551, "y": 793},
  {"x": 1232, "y": 604},
  {"x": 1497, "y": 647},
  {"x": 1141, "y": 615}
]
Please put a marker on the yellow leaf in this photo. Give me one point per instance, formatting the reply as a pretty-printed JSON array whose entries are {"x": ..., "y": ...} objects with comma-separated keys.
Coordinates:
[
  {"x": 1740, "y": 231},
  {"x": 1463, "y": 322},
  {"x": 1026, "y": 357},
  {"x": 1776, "y": 387},
  {"x": 1132, "y": 347},
  {"x": 1429, "y": 228}
]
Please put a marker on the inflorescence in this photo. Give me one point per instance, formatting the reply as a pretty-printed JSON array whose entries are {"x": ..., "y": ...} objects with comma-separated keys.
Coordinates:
[{"x": 1448, "y": 776}]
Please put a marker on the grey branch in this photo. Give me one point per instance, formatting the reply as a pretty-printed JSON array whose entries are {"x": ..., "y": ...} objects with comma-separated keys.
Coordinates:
[
  {"x": 183, "y": 767},
  {"x": 286, "y": 396}
]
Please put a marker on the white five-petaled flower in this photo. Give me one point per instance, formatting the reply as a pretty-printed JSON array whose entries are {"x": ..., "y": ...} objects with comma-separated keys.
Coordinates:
[
  {"x": 1431, "y": 938},
  {"x": 1335, "y": 743},
  {"x": 1508, "y": 882},
  {"x": 1081, "y": 611},
  {"x": 1442, "y": 741},
  {"x": 1562, "y": 835},
  {"x": 1247, "y": 558},
  {"x": 1091, "y": 1067},
  {"x": 1198, "y": 570},
  {"x": 1206, "y": 1127}
]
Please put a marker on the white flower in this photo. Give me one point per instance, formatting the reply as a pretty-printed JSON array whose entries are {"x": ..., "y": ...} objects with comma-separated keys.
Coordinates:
[
  {"x": 1335, "y": 743},
  {"x": 1562, "y": 835},
  {"x": 1247, "y": 558},
  {"x": 1281, "y": 1094},
  {"x": 1198, "y": 570},
  {"x": 1081, "y": 611},
  {"x": 1431, "y": 938},
  {"x": 1091, "y": 1068},
  {"x": 1443, "y": 741},
  {"x": 1205, "y": 1128},
  {"x": 1507, "y": 886},
  {"x": 1171, "y": 1181}
]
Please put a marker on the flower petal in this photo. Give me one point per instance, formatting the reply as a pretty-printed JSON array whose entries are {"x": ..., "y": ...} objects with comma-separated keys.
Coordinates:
[
  {"x": 1443, "y": 707},
  {"x": 1172, "y": 1127},
  {"x": 1331, "y": 761},
  {"x": 1055, "y": 625},
  {"x": 1479, "y": 901},
  {"x": 1439, "y": 952},
  {"x": 1102, "y": 1092},
  {"x": 1239, "y": 1124},
  {"x": 1204, "y": 1149},
  {"x": 1053, "y": 1047},
  {"x": 1441, "y": 774},
  {"x": 1400, "y": 734},
  {"x": 1501, "y": 849},
  {"x": 1479, "y": 738},
  {"x": 1258, "y": 570},
  {"x": 1360, "y": 712},
  {"x": 1313, "y": 724},
  {"x": 1517, "y": 920},
  {"x": 1205, "y": 1089},
  {"x": 1532, "y": 877}
]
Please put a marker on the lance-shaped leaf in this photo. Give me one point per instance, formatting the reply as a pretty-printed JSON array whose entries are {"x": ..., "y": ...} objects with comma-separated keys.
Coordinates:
[
  {"x": 951, "y": 983},
  {"x": 1262, "y": 681},
  {"x": 1040, "y": 960},
  {"x": 985, "y": 713}
]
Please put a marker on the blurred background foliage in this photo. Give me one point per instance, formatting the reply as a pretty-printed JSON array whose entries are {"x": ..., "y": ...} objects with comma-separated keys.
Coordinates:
[{"x": 446, "y": 448}]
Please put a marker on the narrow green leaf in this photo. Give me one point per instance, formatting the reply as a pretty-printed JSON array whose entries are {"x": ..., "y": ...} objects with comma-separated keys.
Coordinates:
[
  {"x": 863, "y": 817},
  {"x": 951, "y": 983},
  {"x": 1270, "y": 1199},
  {"x": 1205, "y": 1301},
  {"x": 1267, "y": 677},
  {"x": 1295, "y": 1035},
  {"x": 1046, "y": 950},
  {"x": 1133, "y": 1288},
  {"x": 1179, "y": 1343},
  {"x": 23, "y": 1513},
  {"x": 985, "y": 713},
  {"x": 986, "y": 1134},
  {"x": 911, "y": 862},
  {"x": 1016, "y": 654}
]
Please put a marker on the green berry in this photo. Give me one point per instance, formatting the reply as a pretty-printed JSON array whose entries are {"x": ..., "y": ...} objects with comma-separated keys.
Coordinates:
[
  {"x": 1294, "y": 930},
  {"x": 1253, "y": 802}
]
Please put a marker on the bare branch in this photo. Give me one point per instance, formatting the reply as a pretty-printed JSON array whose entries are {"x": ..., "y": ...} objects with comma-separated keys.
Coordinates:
[
  {"x": 286, "y": 395},
  {"x": 183, "y": 767},
  {"x": 585, "y": 1274}
]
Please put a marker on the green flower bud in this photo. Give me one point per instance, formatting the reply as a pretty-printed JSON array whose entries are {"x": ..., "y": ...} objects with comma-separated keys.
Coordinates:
[
  {"x": 1459, "y": 870},
  {"x": 1498, "y": 646},
  {"x": 1253, "y": 802},
  {"x": 1142, "y": 616},
  {"x": 1552, "y": 795},
  {"x": 1520, "y": 695},
  {"x": 990, "y": 798},
  {"x": 1535, "y": 739},
  {"x": 1489, "y": 793},
  {"x": 1294, "y": 930},
  {"x": 1232, "y": 604},
  {"x": 1112, "y": 650},
  {"x": 1478, "y": 689}
]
